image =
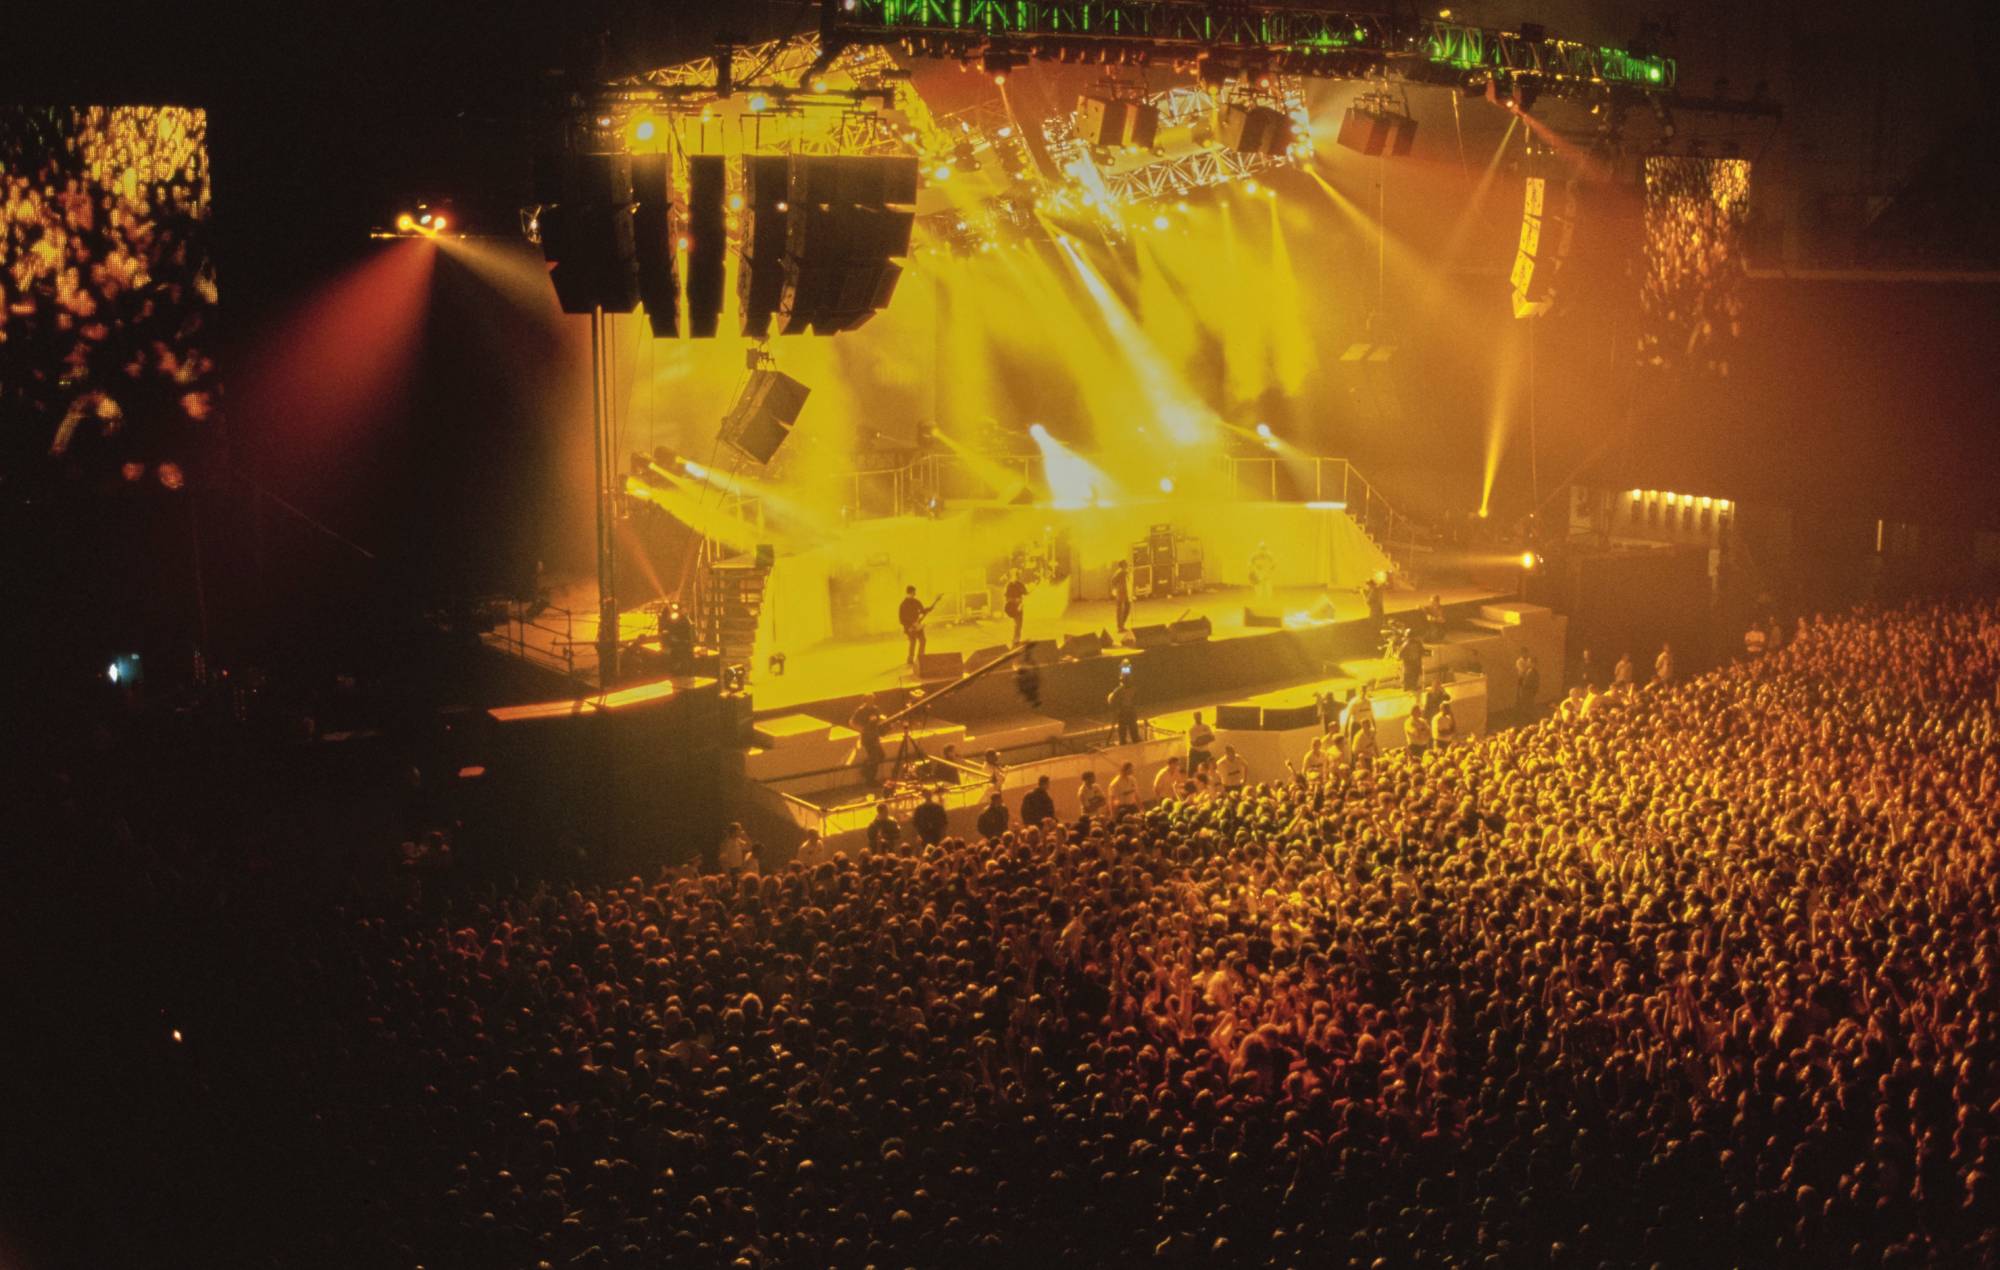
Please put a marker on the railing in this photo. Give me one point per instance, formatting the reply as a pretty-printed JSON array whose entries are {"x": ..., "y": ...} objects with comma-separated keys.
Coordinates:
[{"x": 555, "y": 627}]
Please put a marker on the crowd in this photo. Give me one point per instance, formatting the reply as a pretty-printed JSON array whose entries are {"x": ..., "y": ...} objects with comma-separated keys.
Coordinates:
[
  {"x": 1711, "y": 978},
  {"x": 1691, "y": 290},
  {"x": 106, "y": 286}
]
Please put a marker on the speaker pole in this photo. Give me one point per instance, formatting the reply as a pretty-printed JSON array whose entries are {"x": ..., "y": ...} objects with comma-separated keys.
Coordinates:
[{"x": 600, "y": 426}]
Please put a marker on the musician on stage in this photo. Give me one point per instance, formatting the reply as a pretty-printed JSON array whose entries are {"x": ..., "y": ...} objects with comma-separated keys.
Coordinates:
[
  {"x": 1263, "y": 574},
  {"x": 1376, "y": 593},
  {"x": 911, "y": 614},
  {"x": 1014, "y": 601},
  {"x": 1412, "y": 656},
  {"x": 1121, "y": 595}
]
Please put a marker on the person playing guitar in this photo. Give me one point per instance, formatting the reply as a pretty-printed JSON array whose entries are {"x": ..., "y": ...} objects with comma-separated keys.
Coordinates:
[
  {"x": 912, "y": 613},
  {"x": 1015, "y": 601}
]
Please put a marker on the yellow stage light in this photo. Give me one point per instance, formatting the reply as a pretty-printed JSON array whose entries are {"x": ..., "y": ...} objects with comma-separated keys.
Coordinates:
[
  {"x": 1166, "y": 484},
  {"x": 819, "y": 85},
  {"x": 1160, "y": 221},
  {"x": 758, "y": 103},
  {"x": 783, "y": 206},
  {"x": 681, "y": 243},
  {"x": 943, "y": 172},
  {"x": 406, "y": 222},
  {"x": 1251, "y": 187},
  {"x": 735, "y": 202},
  {"x": 644, "y": 131},
  {"x": 1527, "y": 560}
]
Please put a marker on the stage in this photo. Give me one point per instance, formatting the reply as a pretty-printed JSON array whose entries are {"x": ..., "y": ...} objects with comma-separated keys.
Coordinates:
[{"x": 836, "y": 671}]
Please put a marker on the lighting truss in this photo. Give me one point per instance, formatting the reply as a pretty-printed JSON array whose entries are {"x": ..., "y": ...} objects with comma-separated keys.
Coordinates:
[
  {"x": 1172, "y": 175},
  {"x": 1307, "y": 40}
]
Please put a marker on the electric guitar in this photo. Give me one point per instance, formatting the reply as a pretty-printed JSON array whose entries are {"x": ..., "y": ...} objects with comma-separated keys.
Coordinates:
[{"x": 911, "y": 628}]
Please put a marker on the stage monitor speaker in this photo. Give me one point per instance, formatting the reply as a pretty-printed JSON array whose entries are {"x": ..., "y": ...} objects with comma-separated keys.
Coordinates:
[
  {"x": 1238, "y": 718},
  {"x": 760, "y": 282},
  {"x": 987, "y": 654},
  {"x": 1287, "y": 718},
  {"x": 763, "y": 416},
  {"x": 595, "y": 257},
  {"x": 1079, "y": 646},
  {"x": 708, "y": 245},
  {"x": 1101, "y": 121},
  {"x": 940, "y": 665},
  {"x": 653, "y": 230},
  {"x": 1156, "y": 635},
  {"x": 1256, "y": 617},
  {"x": 1191, "y": 631}
]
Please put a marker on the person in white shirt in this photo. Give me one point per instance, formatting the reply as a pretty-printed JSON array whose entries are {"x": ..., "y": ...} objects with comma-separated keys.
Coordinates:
[
  {"x": 1090, "y": 796},
  {"x": 1124, "y": 791},
  {"x": 1233, "y": 772},
  {"x": 1314, "y": 765},
  {"x": 1663, "y": 666},
  {"x": 1417, "y": 733},
  {"x": 737, "y": 854},
  {"x": 1444, "y": 726},
  {"x": 1167, "y": 783},
  {"x": 813, "y": 852}
]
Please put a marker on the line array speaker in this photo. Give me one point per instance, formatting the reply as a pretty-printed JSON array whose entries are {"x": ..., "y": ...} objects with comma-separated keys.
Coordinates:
[
  {"x": 841, "y": 236},
  {"x": 760, "y": 284},
  {"x": 588, "y": 236},
  {"x": 707, "y": 245},
  {"x": 653, "y": 229}
]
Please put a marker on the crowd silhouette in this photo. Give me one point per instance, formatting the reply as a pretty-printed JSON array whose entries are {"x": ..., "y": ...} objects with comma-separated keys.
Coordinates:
[{"x": 1706, "y": 976}]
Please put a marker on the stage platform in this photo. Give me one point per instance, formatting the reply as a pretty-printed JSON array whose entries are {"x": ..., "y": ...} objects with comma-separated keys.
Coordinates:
[{"x": 843, "y": 671}]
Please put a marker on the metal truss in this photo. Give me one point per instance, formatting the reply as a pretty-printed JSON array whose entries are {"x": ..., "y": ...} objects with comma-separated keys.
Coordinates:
[{"x": 1304, "y": 40}]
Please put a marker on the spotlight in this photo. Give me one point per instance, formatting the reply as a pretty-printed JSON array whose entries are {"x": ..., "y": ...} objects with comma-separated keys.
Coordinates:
[
  {"x": 1529, "y": 560},
  {"x": 1166, "y": 484},
  {"x": 1160, "y": 221},
  {"x": 943, "y": 172},
  {"x": 735, "y": 202},
  {"x": 425, "y": 219},
  {"x": 438, "y": 224},
  {"x": 406, "y": 223},
  {"x": 1038, "y": 432},
  {"x": 781, "y": 206},
  {"x": 644, "y": 131},
  {"x": 758, "y": 103},
  {"x": 681, "y": 243}
]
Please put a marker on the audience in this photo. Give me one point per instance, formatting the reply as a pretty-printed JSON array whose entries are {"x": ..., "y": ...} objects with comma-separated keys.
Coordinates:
[{"x": 1710, "y": 978}]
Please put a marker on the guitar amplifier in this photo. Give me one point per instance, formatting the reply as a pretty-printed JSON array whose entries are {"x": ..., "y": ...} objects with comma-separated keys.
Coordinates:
[{"x": 1142, "y": 580}]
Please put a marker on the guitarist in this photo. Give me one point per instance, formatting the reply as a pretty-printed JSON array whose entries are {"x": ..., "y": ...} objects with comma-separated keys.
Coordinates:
[
  {"x": 911, "y": 613},
  {"x": 1014, "y": 601}
]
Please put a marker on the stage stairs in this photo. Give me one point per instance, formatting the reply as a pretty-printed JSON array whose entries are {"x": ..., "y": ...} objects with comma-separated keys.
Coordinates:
[{"x": 727, "y": 605}]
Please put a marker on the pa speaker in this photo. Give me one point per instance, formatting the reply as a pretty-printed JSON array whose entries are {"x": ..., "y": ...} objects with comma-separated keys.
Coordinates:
[
  {"x": 1158, "y": 635},
  {"x": 653, "y": 232},
  {"x": 594, "y": 254},
  {"x": 706, "y": 244},
  {"x": 1258, "y": 617},
  {"x": 1364, "y": 130},
  {"x": 760, "y": 282},
  {"x": 763, "y": 416},
  {"x": 1101, "y": 122},
  {"x": 1238, "y": 718},
  {"x": 940, "y": 665},
  {"x": 1192, "y": 631},
  {"x": 1255, "y": 129},
  {"x": 1142, "y": 125}
]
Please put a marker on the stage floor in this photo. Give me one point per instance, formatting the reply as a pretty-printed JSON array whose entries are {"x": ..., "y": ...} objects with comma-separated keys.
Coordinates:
[{"x": 837, "y": 669}]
